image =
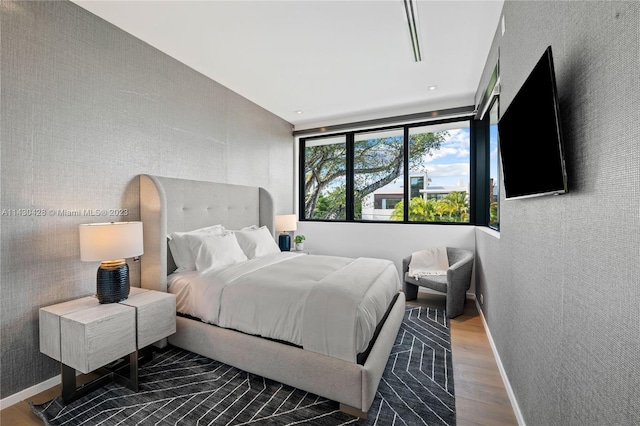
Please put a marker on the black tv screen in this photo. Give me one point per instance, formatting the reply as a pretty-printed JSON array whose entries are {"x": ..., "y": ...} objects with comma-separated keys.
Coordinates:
[{"x": 530, "y": 137}]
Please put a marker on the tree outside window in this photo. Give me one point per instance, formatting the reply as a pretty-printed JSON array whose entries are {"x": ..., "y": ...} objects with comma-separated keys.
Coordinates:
[{"x": 325, "y": 165}]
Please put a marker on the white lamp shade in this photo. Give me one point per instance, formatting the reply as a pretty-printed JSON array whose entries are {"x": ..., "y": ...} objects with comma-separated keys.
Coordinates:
[
  {"x": 286, "y": 222},
  {"x": 110, "y": 241}
]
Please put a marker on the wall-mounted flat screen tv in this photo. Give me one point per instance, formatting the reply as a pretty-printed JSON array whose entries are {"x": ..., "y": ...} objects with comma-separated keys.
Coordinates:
[{"x": 530, "y": 137}]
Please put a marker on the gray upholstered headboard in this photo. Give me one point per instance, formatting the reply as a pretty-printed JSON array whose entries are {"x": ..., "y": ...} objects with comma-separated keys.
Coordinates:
[{"x": 169, "y": 205}]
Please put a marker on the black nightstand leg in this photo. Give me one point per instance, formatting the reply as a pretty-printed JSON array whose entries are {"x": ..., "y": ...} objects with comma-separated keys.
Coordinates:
[
  {"x": 71, "y": 391},
  {"x": 68, "y": 384},
  {"x": 130, "y": 382}
]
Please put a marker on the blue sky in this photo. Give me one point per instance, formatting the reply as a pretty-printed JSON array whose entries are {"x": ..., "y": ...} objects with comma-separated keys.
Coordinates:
[
  {"x": 450, "y": 165},
  {"x": 493, "y": 153}
]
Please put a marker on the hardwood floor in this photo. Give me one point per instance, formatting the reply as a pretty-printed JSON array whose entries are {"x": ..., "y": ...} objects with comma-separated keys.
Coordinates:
[
  {"x": 20, "y": 414},
  {"x": 481, "y": 398}
]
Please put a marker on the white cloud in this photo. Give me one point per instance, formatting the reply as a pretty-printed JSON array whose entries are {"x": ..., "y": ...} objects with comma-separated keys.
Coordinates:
[
  {"x": 445, "y": 151},
  {"x": 448, "y": 170},
  {"x": 494, "y": 153},
  {"x": 456, "y": 145}
]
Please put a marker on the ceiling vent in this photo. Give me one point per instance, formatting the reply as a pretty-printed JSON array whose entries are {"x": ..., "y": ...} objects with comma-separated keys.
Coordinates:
[{"x": 411, "y": 9}]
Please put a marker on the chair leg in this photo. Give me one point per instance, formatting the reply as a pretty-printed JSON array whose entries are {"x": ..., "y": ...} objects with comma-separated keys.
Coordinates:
[
  {"x": 455, "y": 304},
  {"x": 410, "y": 291}
]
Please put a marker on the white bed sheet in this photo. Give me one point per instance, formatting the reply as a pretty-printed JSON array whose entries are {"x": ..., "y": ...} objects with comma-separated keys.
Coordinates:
[{"x": 326, "y": 304}]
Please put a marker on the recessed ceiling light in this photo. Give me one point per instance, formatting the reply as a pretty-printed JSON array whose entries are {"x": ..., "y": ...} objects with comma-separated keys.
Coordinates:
[
  {"x": 432, "y": 88},
  {"x": 298, "y": 111}
]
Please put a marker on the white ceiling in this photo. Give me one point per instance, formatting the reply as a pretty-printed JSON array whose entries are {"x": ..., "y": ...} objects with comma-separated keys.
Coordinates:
[{"x": 336, "y": 61}]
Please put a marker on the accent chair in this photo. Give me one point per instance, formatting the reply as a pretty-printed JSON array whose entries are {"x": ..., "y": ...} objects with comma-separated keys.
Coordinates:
[{"x": 455, "y": 283}]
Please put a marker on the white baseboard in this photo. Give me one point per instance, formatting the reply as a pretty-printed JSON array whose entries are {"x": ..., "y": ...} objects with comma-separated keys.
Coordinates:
[
  {"x": 29, "y": 392},
  {"x": 503, "y": 373}
]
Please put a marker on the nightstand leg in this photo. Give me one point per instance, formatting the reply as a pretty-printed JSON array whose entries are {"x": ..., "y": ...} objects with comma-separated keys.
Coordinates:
[
  {"x": 68, "y": 384},
  {"x": 133, "y": 370},
  {"x": 130, "y": 382},
  {"x": 70, "y": 391}
]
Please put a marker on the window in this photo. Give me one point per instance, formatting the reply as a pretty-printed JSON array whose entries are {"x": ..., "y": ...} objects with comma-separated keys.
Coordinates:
[
  {"x": 325, "y": 165},
  {"x": 439, "y": 156},
  {"x": 417, "y": 185},
  {"x": 369, "y": 175},
  {"x": 378, "y": 170},
  {"x": 494, "y": 170}
]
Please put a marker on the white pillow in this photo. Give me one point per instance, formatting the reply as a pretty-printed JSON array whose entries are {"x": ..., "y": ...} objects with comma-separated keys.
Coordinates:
[
  {"x": 212, "y": 251},
  {"x": 257, "y": 242},
  {"x": 182, "y": 256}
]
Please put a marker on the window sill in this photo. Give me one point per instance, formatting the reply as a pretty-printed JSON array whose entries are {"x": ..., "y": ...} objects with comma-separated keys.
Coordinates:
[{"x": 489, "y": 231}]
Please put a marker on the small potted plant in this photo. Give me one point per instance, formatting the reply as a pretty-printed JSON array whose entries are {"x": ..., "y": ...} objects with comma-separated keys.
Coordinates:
[{"x": 299, "y": 242}]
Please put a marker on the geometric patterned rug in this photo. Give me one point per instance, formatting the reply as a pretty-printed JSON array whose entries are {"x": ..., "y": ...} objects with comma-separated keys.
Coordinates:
[
  {"x": 178, "y": 387},
  {"x": 417, "y": 384}
]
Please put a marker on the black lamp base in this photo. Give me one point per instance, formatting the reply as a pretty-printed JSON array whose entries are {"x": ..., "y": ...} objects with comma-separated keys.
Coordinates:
[
  {"x": 284, "y": 242},
  {"x": 113, "y": 283}
]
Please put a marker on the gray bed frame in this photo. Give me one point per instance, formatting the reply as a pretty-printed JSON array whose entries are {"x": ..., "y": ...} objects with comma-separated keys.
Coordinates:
[{"x": 169, "y": 205}]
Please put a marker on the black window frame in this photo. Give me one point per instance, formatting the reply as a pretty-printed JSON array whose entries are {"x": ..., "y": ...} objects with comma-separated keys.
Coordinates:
[{"x": 478, "y": 171}]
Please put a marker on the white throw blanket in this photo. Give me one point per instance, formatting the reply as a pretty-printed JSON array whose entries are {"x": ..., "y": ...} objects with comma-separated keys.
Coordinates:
[{"x": 433, "y": 261}]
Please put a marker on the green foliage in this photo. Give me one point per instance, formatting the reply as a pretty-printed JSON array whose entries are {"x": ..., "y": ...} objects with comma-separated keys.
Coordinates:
[
  {"x": 299, "y": 238},
  {"x": 493, "y": 214},
  {"x": 454, "y": 207},
  {"x": 332, "y": 205}
]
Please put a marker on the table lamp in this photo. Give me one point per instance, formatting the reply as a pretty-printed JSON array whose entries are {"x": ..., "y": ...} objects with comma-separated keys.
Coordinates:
[
  {"x": 284, "y": 223},
  {"x": 110, "y": 243}
]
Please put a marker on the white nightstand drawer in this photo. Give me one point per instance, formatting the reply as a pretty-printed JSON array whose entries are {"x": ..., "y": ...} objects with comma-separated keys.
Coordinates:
[
  {"x": 156, "y": 315},
  {"x": 50, "y": 323},
  {"x": 96, "y": 336}
]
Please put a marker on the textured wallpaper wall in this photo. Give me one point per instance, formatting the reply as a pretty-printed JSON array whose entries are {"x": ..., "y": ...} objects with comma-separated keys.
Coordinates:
[
  {"x": 85, "y": 109},
  {"x": 562, "y": 283}
]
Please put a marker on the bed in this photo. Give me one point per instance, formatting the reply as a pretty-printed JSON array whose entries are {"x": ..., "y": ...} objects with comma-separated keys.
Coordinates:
[{"x": 170, "y": 205}]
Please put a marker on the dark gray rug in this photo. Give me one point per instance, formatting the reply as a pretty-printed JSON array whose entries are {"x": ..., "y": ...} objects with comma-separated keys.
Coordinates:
[{"x": 181, "y": 388}]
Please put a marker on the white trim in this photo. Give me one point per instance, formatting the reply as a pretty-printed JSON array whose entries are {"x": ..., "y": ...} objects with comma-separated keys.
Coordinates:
[
  {"x": 503, "y": 373},
  {"x": 489, "y": 231},
  {"x": 29, "y": 392}
]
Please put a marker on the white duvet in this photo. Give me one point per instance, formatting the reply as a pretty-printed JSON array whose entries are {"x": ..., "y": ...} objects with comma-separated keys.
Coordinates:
[{"x": 326, "y": 304}]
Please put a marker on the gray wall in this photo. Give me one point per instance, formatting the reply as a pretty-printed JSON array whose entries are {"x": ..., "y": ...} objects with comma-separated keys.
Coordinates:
[
  {"x": 562, "y": 283},
  {"x": 86, "y": 108}
]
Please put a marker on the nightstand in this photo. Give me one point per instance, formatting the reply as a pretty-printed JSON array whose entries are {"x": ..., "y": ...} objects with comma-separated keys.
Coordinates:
[{"x": 85, "y": 335}]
